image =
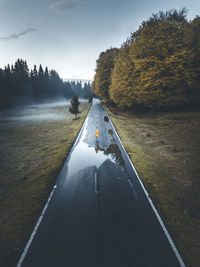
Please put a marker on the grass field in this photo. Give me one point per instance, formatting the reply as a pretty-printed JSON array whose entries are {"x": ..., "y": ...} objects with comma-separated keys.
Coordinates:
[
  {"x": 33, "y": 147},
  {"x": 165, "y": 149}
]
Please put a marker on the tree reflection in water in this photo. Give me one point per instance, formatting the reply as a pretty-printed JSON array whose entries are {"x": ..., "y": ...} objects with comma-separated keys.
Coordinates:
[
  {"x": 115, "y": 153},
  {"x": 112, "y": 150}
]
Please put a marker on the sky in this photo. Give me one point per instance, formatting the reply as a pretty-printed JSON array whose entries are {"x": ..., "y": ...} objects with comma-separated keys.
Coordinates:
[{"x": 69, "y": 35}]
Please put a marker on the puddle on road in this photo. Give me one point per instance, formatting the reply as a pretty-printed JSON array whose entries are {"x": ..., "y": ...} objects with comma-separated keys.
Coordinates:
[
  {"x": 84, "y": 155},
  {"x": 116, "y": 154},
  {"x": 87, "y": 155}
]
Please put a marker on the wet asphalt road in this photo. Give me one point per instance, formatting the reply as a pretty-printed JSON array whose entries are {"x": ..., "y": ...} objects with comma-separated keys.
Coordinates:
[{"x": 99, "y": 215}]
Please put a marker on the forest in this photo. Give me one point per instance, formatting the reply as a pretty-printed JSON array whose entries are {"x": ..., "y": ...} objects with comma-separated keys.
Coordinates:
[
  {"x": 156, "y": 68},
  {"x": 21, "y": 86}
]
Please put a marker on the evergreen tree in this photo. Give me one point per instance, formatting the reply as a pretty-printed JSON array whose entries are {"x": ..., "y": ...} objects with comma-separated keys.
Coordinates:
[
  {"x": 6, "y": 87},
  {"x": 87, "y": 93},
  {"x": 46, "y": 74},
  {"x": 19, "y": 86},
  {"x": 34, "y": 83},
  {"x": 56, "y": 84},
  {"x": 67, "y": 91},
  {"x": 35, "y": 72},
  {"x": 21, "y": 90},
  {"x": 74, "y": 108},
  {"x": 40, "y": 72}
]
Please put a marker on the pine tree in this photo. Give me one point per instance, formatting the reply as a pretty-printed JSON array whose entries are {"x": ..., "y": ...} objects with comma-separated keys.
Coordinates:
[
  {"x": 41, "y": 72},
  {"x": 74, "y": 108},
  {"x": 67, "y": 91},
  {"x": 46, "y": 74},
  {"x": 35, "y": 72}
]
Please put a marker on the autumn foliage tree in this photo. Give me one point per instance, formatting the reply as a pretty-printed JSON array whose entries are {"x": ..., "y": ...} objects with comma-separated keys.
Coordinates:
[
  {"x": 158, "y": 67},
  {"x": 122, "y": 77},
  {"x": 102, "y": 79},
  {"x": 158, "y": 55}
]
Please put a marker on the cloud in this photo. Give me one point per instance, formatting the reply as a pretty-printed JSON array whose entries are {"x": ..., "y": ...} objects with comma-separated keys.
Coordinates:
[
  {"x": 16, "y": 36},
  {"x": 64, "y": 5}
]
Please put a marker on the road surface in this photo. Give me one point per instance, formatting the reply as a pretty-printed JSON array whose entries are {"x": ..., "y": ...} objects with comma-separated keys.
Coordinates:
[{"x": 98, "y": 214}]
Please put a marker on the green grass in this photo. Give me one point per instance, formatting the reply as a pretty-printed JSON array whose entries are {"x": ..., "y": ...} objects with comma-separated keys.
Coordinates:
[
  {"x": 32, "y": 154},
  {"x": 165, "y": 149}
]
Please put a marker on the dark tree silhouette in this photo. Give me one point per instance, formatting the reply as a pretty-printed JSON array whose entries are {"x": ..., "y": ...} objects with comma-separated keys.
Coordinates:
[
  {"x": 74, "y": 108},
  {"x": 19, "y": 86}
]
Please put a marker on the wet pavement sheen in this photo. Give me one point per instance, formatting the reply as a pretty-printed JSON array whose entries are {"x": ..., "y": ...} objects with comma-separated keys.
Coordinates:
[{"x": 99, "y": 215}]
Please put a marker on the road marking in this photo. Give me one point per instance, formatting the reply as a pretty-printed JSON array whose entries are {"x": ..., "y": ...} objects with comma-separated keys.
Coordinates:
[
  {"x": 49, "y": 199},
  {"x": 97, "y": 121},
  {"x": 178, "y": 256},
  {"x": 35, "y": 229},
  {"x": 95, "y": 184},
  {"x": 82, "y": 129}
]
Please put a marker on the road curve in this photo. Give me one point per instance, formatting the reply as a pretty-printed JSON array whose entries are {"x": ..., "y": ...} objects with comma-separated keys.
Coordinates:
[{"x": 98, "y": 213}]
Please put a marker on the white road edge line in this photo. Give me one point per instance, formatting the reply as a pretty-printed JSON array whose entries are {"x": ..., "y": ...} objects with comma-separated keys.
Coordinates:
[
  {"x": 95, "y": 184},
  {"x": 182, "y": 264},
  {"x": 46, "y": 205},
  {"x": 81, "y": 130},
  {"x": 35, "y": 229}
]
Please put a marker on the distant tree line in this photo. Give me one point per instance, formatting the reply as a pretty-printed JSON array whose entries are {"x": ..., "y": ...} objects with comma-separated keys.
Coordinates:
[
  {"x": 19, "y": 85},
  {"x": 158, "y": 67}
]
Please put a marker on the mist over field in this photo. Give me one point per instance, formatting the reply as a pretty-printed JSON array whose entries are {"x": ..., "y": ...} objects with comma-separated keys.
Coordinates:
[
  {"x": 34, "y": 141},
  {"x": 47, "y": 111},
  {"x": 20, "y": 86},
  {"x": 99, "y": 133}
]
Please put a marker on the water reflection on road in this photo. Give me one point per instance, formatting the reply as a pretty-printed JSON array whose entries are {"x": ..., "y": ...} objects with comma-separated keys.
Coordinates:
[
  {"x": 87, "y": 154},
  {"x": 112, "y": 151},
  {"x": 93, "y": 156}
]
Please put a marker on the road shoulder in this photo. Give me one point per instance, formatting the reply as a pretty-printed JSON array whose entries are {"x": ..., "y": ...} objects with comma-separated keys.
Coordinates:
[{"x": 158, "y": 145}]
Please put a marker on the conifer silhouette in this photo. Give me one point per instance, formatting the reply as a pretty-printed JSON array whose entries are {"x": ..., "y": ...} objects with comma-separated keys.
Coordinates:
[{"x": 74, "y": 108}]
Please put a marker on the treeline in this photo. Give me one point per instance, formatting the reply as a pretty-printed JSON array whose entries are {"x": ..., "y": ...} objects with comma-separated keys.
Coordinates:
[
  {"x": 20, "y": 86},
  {"x": 82, "y": 90},
  {"x": 158, "y": 67}
]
